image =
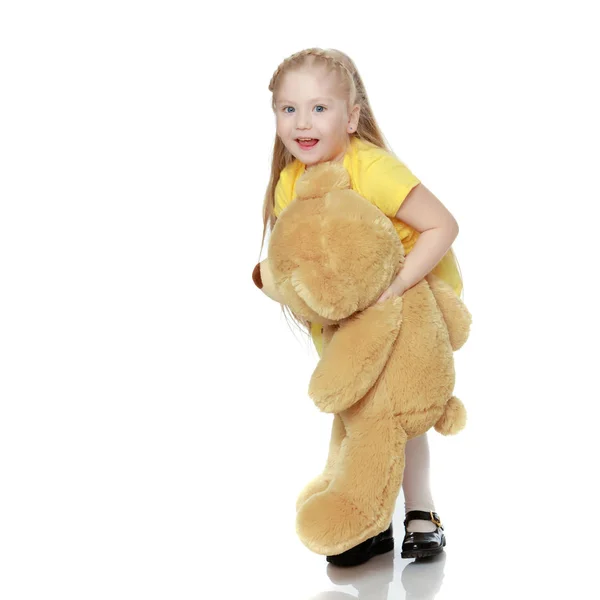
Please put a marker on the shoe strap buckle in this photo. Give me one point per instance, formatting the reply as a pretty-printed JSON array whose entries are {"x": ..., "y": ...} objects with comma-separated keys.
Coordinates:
[{"x": 434, "y": 520}]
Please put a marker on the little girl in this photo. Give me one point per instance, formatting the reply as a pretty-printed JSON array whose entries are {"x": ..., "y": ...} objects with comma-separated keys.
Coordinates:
[{"x": 323, "y": 114}]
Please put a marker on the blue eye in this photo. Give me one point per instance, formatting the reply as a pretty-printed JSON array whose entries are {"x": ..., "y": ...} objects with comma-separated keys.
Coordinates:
[{"x": 318, "y": 106}]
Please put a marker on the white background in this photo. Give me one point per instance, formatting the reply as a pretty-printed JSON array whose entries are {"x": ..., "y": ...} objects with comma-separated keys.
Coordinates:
[{"x": 155, "y": 426}]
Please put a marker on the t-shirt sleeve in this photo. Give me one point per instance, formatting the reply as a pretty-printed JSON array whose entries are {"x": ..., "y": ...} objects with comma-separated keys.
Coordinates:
[
  {"x": 386, "y": 181},
  {"x": 281, "y": 196}
]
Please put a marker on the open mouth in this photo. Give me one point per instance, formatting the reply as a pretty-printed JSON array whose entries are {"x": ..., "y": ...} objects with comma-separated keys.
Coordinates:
[{"x": 307, "y": 143}]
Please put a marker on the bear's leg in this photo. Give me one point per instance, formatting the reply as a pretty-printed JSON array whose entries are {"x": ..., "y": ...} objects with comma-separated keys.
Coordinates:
[
  {"x": 359, "y": 502},
  {"x": 320, "y": 483}
]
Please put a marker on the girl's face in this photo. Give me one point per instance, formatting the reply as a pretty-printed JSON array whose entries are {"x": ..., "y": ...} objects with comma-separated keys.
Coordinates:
[{"x": 307, "y": 105}]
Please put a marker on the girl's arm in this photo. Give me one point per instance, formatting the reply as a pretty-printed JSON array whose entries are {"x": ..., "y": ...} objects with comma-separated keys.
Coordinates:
[{"x": 422, "y": 211}]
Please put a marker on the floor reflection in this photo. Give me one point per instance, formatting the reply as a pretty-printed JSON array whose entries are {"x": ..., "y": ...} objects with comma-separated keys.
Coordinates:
[{"x": 420, "y": 578}]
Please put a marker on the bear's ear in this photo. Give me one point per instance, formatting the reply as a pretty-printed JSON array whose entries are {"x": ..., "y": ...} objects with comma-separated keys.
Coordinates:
[{"x": 319, "y": 179}]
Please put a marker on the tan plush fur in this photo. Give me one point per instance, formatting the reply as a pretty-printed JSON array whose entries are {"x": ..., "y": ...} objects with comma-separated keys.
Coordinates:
[{"x": 386, "y": 370}]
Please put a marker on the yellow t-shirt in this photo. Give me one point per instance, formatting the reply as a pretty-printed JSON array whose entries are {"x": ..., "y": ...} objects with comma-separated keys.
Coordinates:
[{"x": 384, "y": 181}]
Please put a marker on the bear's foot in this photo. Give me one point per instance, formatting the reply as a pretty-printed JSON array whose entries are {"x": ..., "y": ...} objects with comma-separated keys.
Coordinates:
[
  {"x": 330, "y": 523},
  {"x": 318, "y": 484}
]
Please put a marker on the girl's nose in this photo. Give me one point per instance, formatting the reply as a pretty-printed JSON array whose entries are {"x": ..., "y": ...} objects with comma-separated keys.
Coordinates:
[{"x": 303, "y": 122}]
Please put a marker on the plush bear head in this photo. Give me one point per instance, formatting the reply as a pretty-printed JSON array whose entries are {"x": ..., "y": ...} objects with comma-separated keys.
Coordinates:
[{"x": 331, "y": 252}]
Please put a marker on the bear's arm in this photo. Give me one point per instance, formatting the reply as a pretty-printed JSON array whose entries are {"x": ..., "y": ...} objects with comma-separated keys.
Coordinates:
[
  {"x": 355, "y": 356},
  {"x": 456, "y": 315}
]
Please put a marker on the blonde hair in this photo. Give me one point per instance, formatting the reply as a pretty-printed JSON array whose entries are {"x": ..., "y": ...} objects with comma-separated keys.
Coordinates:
[{"x": 351, "y": 86}]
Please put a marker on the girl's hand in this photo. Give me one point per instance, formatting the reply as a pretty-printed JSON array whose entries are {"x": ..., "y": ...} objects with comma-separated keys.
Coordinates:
[{"x": 397, "y": 288}]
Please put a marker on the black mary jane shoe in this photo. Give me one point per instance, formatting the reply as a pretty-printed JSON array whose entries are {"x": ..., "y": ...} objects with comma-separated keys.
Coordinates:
[
  {"x": 379, "y": 544},
  {"x": 420, "y": 545}
]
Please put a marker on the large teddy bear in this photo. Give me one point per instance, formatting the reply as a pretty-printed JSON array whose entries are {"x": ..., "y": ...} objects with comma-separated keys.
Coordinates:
[{"x": 387, "y": 369}]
